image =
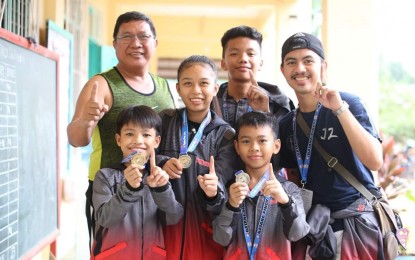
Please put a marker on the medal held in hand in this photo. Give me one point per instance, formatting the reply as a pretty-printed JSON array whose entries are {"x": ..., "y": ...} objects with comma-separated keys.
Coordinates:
[
  {"x": 139, "y": 159},
  {"x": 185, "y": 160},
  {"x": 241, "y": 176},
  {"x": 136, "y": 158}
]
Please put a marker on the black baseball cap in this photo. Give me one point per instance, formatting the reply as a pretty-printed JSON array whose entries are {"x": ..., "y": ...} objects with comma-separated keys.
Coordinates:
[{"x": 302, "y": 40}]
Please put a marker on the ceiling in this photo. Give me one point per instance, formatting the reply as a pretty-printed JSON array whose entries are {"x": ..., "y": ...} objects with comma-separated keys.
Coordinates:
[{"x": 241, "y": 11}]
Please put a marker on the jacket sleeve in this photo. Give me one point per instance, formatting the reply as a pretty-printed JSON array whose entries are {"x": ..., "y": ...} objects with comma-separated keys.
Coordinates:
[
  {"x": 213, "y": 205},
  {"x": 111, "y": 208},
  {"x": 294, "y": 218},
  {"x": 166, "y": 201},
  {"x": 225, "y": 225}
]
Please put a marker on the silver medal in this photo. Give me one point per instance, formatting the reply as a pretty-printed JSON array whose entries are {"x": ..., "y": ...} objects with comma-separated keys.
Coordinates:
[{"x": 242, "y": 176}]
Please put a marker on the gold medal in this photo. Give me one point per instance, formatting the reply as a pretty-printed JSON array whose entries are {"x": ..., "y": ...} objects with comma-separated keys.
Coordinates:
[
  {"x": 139, "y": 159},
  {"x": 242, "y": 176},
  {"x": 185, "y": 160}
]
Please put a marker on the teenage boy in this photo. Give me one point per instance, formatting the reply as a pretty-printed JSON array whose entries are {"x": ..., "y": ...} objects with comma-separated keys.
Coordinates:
[{"x": 242, "y": 59}]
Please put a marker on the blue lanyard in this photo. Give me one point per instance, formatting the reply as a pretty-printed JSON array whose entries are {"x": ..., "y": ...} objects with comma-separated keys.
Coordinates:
[
  {"x": 252, "y": 248},
  {"x": 304, "y": 165},
  {"x": 225, "y": 108},
  {"x": 259, "y": 185},
  {"x": 185, "y": 134},
  {"x": 129, "y": 157}
]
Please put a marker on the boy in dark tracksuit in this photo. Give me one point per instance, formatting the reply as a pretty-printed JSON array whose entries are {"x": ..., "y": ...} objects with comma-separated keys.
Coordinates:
[
  {"x": 242, "y": 59},
  {"x": 133, "y": 202},
  {"x": 196, "y": 141},
  {"x": 264, "y": 211}
]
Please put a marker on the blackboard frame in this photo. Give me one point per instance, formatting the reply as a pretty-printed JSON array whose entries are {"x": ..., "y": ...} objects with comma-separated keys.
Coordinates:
[{"x": 48, "y": 239}]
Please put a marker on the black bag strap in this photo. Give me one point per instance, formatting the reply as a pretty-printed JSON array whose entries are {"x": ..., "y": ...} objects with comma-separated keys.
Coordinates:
[{"x": 333, "y": 163}]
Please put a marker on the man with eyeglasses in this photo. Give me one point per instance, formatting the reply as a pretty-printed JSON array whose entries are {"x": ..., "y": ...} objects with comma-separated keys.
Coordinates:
[{"x": 106, "y": 94}]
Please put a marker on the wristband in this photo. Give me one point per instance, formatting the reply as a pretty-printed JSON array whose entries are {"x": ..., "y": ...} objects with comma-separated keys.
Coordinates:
[{"x": 344, "y": 107}]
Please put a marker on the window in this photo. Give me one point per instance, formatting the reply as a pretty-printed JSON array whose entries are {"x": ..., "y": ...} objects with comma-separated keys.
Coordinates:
[{"x": 16, "y": 16}]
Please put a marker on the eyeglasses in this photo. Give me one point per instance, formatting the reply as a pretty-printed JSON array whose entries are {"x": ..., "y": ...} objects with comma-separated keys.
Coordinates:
[{"x": 128, "y": 38}]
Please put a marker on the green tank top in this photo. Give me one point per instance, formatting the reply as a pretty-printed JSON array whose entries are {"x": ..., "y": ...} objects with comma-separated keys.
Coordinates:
[{"x": 105, "y": 151}]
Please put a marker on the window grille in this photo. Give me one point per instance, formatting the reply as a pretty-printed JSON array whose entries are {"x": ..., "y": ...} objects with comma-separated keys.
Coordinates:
[{"x": 20, "y": 17}]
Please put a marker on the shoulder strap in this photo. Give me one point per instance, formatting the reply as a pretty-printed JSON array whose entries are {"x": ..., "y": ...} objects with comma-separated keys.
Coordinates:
[{"x": 332, "y": 162}]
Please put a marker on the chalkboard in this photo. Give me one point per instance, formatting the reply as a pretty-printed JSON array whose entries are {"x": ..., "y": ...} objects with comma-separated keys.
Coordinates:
[{"x": 29, "y": 175}]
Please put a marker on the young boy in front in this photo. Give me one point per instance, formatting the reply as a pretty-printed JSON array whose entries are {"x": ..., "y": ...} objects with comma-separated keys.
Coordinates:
[
  {"x": 134, "y": 200},
  {"x": 264, "y": 211}
]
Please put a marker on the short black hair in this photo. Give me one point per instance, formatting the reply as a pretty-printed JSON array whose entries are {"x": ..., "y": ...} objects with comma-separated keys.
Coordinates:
[
  {"x": 196, "y": 59},
  {"x": 203, "y": 60},
  {"x": 143, "y": 116},
  {"x": 133, "y": 16},
  {"x": 257, "y": 119},
  {"x": 240, "y": 31}
]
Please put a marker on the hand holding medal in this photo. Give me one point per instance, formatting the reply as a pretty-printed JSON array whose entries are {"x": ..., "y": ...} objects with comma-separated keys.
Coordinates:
[
  {"x": 185, "y": 160},
  {"x": 139, "y": 159},
  {"x": 133, "y": 175},
  {"x": 241, "y": 176},
  {"x": 239, "y": 190},
  {"x": 136, "y": 158}
]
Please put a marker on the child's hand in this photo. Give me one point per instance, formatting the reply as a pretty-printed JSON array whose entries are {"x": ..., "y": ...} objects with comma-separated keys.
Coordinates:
[
  {"x": 257, "y": 98},
  {"x": 209, "y": 182},
  {"x": 133, "y": 175},
  {"x": 274, "y": 189},
  {"x": 174, "y": 168},
  {"x": 237, "y": 193},
  {"x": 157, "y": 177}
]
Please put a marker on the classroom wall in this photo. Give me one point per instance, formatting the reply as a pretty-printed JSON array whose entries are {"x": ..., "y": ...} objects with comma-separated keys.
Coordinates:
[
  {"x": 199, "y": 32},
  {"x": 186, "y": 33}
]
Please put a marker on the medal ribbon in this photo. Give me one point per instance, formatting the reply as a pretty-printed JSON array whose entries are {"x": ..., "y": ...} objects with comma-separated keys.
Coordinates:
[
  {"x": 184, "y": 138},
  {"x": 129, "y": 157},
  {"x": 304, "y": 165},
  {"x": 259, "y": 185},
  {"x": 252, "y": 248},
  {"x": 225, "y": 107}
]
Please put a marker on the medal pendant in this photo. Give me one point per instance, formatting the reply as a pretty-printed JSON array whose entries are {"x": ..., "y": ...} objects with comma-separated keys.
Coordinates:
[
  {"x": 242, "y": 176},
  {"x": 185, "y": 160},
  {"x": 139, "y": 159}
]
